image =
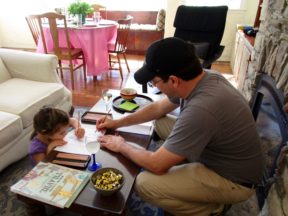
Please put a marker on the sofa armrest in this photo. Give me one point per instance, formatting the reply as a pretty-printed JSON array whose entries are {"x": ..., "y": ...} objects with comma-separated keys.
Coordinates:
[{"x": 30, "y": 66}]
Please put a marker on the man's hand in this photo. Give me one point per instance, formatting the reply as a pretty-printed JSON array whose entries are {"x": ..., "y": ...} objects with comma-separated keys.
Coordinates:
[
  {"x": 111, "y": 142},
  {"x": 106, "y": 123}
]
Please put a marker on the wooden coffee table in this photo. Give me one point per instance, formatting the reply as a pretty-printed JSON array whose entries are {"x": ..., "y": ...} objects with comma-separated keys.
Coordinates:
[{"x": 89, "y": 202}]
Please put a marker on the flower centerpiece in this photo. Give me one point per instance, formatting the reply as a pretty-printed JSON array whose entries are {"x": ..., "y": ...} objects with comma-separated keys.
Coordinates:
[{"x": 80, "y": 7}]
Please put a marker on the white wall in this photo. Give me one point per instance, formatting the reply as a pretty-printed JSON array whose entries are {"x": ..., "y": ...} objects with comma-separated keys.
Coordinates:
[{"x": 14, "y": 31}]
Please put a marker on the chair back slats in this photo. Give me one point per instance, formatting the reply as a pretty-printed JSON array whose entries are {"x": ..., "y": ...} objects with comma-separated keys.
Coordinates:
[
  {"x": 51, "y": 19},
  {"x": 51, "y": 22},
  {"x": 34, "y": 27},
  {"x": 123, "y": 30},
  {"x": 100, "y": 8},
  {"x": 122, "y": 34}
]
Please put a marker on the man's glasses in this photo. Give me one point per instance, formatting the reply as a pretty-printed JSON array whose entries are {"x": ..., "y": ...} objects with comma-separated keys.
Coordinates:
[{"x": 153, "y": 83}]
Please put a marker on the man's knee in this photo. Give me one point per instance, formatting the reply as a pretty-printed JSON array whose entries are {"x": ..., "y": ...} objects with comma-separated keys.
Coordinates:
[{"x": 143, "y": 185}]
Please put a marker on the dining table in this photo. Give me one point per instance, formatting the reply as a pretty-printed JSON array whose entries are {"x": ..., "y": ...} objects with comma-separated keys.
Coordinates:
[{"x": 94, "y": 39}]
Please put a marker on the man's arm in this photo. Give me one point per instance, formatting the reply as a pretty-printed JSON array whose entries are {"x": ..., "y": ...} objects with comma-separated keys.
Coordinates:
[
  {"x": 157, "y": 162},
  {"x": 147, "y": 113}
]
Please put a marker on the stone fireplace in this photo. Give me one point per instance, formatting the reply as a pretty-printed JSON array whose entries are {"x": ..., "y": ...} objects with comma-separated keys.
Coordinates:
[
  {"x": 270, "y": 48},
  {"x": 270, "y": 58}
]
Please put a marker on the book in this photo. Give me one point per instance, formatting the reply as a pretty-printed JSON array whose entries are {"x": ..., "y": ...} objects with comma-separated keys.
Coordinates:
[{"x": 52, "y": 184}]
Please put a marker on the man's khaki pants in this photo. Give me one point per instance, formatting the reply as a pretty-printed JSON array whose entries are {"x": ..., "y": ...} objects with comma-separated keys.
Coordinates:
[{"x": 188, "y": 189}]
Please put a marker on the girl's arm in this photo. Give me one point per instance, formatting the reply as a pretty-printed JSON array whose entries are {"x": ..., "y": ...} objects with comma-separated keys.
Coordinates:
[
  {"x": 79, "y": 131},
  {"x": 38, "y": 157}
]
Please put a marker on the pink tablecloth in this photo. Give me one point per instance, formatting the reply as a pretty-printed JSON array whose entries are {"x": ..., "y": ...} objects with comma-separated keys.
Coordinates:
[{"x": 94, "y": 42}]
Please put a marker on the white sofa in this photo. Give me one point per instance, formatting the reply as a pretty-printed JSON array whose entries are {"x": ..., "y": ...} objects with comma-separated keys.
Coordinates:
[{"x": 28, "y": 81}]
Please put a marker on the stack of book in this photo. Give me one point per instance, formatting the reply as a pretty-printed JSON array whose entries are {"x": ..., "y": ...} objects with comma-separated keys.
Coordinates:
[{"x": 52, "y": 184}]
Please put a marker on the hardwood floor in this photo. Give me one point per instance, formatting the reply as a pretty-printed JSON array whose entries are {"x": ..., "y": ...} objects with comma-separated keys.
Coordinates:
[{"x": 87, "y": 94}]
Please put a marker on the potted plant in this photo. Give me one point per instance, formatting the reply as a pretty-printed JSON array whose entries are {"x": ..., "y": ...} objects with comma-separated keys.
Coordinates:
[{"x": 80, "y": 7}]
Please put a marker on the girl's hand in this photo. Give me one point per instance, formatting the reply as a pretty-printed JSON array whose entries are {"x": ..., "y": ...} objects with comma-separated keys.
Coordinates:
[
  {"x": 79, "y": 132},
  {"x": 54, "y": 144}
]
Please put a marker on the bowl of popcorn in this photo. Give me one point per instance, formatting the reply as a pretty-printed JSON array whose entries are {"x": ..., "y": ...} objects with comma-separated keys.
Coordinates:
[
  {"x": 107, "y": 181},
  {"x": 128, "y": 93}
]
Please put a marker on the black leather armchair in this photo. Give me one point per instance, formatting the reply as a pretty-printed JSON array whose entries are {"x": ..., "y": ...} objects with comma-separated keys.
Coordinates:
[{"x": 204, "y": 27}]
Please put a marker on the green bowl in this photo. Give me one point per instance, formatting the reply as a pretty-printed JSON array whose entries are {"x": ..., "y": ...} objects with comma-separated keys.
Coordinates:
[{"x": 112, "y": 175}]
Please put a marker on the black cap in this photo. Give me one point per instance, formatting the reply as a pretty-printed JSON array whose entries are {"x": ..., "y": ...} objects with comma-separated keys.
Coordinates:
[{"x": 167, "y": 56}]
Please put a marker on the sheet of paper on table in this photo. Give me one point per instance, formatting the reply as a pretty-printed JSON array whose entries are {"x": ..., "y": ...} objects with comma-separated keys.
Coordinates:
[
  {"x": 144, "y": 128},
  {"x": 77, "y": 146}
]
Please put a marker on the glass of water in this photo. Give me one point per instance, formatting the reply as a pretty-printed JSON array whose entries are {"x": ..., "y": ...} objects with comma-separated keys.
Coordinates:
[
  {"x": 106, "y": 96},
  {"x": 92, "y": 146}
]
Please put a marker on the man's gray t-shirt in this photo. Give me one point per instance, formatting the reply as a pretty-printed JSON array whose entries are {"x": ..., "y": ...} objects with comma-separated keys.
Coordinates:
[{"x": 216, "y": 127}]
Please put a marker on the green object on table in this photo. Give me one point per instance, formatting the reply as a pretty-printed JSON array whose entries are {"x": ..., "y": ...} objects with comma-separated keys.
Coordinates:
[{"x": 129, "y": 106}]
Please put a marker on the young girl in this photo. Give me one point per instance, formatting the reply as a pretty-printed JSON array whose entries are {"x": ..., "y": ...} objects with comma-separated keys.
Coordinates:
[{"x": 50, "y": 127}]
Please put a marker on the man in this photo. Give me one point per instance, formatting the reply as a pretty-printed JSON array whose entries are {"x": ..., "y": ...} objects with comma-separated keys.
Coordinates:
[{"x": 212, "y": 155}]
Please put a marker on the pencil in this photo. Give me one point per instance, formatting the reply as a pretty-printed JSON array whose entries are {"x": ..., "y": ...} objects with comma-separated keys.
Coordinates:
[
  {"x": 78, "y": 120},
  {"x": 107, "y": 114}
]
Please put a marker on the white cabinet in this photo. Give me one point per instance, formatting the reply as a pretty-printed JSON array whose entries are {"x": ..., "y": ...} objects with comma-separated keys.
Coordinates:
[{"x": 241, "y": 57}]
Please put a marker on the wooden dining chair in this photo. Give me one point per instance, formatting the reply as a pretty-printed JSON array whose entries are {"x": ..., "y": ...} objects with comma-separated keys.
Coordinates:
[
  {"x": 99, "y": 8},
  {"x": 120, "y": 45},
  {"x": 34, "y": 27},
  {"x": 66, "y": 52}
]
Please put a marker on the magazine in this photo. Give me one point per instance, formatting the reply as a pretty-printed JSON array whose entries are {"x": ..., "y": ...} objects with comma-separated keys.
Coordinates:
[{"x": 52, "y": 184}]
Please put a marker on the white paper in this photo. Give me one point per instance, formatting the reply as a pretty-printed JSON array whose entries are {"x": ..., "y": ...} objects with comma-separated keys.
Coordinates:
[
  {"x": 144, "y": 128},
  {"x": 75, "y": 145},
  {"x": 137, "y": 129}
]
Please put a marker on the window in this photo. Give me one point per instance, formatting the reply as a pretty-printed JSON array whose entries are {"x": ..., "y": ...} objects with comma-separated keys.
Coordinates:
[
  {"x": 138, "y": 5},
  {"x": 232, "y": 4}
]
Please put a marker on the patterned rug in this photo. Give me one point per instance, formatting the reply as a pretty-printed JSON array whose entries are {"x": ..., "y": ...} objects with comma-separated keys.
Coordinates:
[{"x": 11, "y": 206}]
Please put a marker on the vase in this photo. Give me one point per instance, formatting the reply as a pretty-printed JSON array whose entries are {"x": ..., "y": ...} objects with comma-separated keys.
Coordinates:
[
  {"x": 83, "y": 18},
  {"x": 79, "y": 20}
]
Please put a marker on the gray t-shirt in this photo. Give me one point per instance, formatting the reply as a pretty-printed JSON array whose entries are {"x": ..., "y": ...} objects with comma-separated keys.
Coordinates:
[{"x": 216, "y": 127}]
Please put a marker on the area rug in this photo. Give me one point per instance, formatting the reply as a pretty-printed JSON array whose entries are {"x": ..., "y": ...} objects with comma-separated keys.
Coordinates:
[{"x": 11, "y": 206}]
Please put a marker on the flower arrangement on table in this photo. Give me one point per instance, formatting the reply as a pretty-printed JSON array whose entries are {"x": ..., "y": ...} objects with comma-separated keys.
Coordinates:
[{"x": 80, "y": 7}]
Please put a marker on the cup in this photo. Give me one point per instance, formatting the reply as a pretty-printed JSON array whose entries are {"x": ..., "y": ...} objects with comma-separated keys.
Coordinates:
[
  {"x": 96, "y": 17},
  {"x": 79, "y": 20}
]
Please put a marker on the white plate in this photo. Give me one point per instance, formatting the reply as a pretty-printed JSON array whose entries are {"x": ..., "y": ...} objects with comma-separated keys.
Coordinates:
[{"x": 107, "y": 22}]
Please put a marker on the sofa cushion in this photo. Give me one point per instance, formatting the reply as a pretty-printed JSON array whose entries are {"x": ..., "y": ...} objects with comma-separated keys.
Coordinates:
[
  {"x": 10, "y": 127},
  {"x": 4, "y": 74},
  {"x": 25, "y": 97}
]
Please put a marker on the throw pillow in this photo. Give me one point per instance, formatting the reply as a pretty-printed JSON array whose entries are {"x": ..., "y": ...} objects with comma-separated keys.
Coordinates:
[{"x": 160, "y": 21}]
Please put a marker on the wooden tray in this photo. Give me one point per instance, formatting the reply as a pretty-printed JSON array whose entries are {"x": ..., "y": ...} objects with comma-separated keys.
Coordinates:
[
  {"x": 92, "y": 117},
  {"x": 72, "y": 160},
  {"x": 140, "y": 100}
]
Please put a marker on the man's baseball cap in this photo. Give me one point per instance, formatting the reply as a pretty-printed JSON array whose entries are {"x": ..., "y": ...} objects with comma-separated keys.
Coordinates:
[{"x": 168, "y": 56}]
